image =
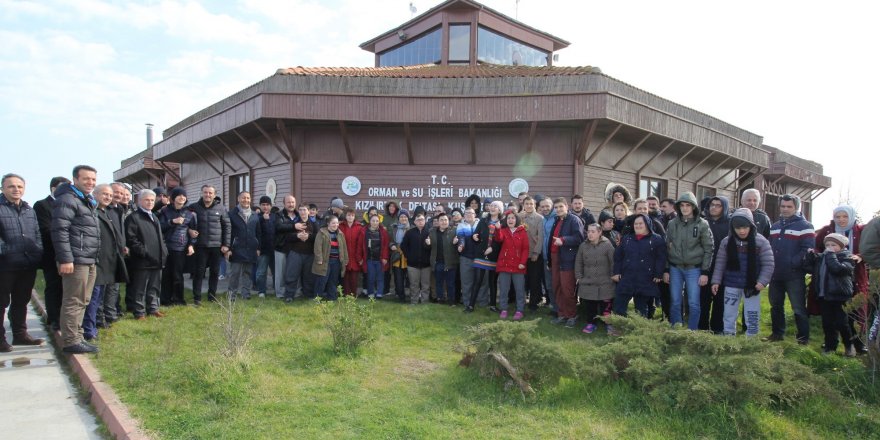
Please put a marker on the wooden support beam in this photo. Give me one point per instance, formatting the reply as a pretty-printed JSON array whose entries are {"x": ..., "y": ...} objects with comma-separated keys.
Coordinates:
[
  {"x": 344, "y": 132},
  {"x": 472, "y": 133},
  {"x": 245, "y": 141},
  {"x": 712, "y": 153},
  {"x": 631, "y": 150},
  {"x": 158, "y": 179},
  {"x": 586, "y": 138},
  {"x": 235, "y": 153},
  {"x": 533, "y": 128},
  {"x": 732, "y": 169},
  {"x": 662, "y": 150},
  {"x": 204, "y": 159},
  {"x": 816, "y": 196},
  {"x": 681, "y": 158},
  {"x": 603, "y": 144},
  {"x": 777, "y": 180},
  {"x": 754, "y": 175},
  {"x": 272, "y": 141},
  {"x": 169, "y": 170},
  {"x": 407, "y": 133},
  {"x": 229, "y": 165},
  {"x": 713, "y": 169},
  {"x": 288, "y": 140}
]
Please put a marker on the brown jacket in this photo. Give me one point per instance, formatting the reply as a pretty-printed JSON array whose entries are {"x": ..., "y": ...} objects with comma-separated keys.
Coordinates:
[
  {"x": 592, "y": 268},
  {"x": 322, "y": 252},
  {"x": 535, "y": 228}
]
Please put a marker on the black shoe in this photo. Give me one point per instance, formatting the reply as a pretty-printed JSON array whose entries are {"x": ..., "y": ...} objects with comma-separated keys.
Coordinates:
[
  {"x": 197, "y": 302},
  {"x": 4, "y": 346},
  {"x": 212, "y": 298},
  {"x": 468, "y": 309},
  {"x": 27, "y": 339},
  {"x": 55, "y": 327},
  {"x": 89, "y": 343},
  {"x": 803, "y": 341},
  {"x": 80, "y": 348},
  {"x": 493, "y": 309}
]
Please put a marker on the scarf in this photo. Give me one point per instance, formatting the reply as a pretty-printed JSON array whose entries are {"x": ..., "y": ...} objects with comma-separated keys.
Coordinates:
[
  {"x": 848, "y": 229},
  {"x": 751, "y": 256}
]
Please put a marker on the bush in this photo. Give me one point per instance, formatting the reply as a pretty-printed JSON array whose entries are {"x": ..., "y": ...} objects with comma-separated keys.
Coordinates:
[
  {"x": 498, "y": 346},
  {"x": 688, "y": 369},
  {"x": 235, "y": 330},
  {"x": 350, "y": 323}
]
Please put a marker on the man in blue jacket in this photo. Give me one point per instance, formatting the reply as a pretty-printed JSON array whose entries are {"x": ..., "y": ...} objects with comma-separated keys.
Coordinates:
[
  {"x": 21, "y": 251},
  {"x": 790, "y": 237},
  {"x": 566, "y": 236}
]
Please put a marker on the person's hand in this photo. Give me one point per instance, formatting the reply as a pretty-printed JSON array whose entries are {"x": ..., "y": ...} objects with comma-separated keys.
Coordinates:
[
  {"x": 224, "y": 249},
  {"x": 557, "y": 241},
  {"x": 361, "y": 263},
  {"x": 488, "y": 250},
  {"x": 393, "y": 247},
  {"x": 65, "y": 268},
  {"x": 857, "y": 259},
  {"x": 704, "y": 279},
  {"x": 193, "y": 233},
  {"x": 266, "y": 216},
  {"x": 258, "y": 252},
  {"x": 384, "y": 261},
  {"x": 428, "y": 241},
  {"x": 759, "y": 287},
  {"x": 615, "y": 278},
  {"x": 656, "y": 280},
  {"x": 475, "y": 237},
  {"x": 300, "y": 226},
  {"x": 125, "y": 250},
  {"x": 320, "y": 262},
  {"x": 715, "y": 289},
  {"x": 190, "y": 250},
  {"x": 521, "y": 266},
  {"x": 178, "y": 221},
  {"x": 455, "y": 240},
  {"x": 460, "y": 247},
  {"x": 535, "y": 258},
  {"x": 666, "y": 277}
]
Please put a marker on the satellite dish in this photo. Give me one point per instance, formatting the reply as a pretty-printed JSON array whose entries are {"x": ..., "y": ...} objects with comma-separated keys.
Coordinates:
[
  {"x": 271, "y": 189},
  {"x": 412, "y": 8}
]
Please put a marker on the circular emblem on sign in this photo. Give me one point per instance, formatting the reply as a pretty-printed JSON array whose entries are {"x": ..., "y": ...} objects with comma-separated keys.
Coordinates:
[
  {"x": 517, "y": 186},
  {"x": 351, "y": 186},
  {"x": 271, "y": 189}
]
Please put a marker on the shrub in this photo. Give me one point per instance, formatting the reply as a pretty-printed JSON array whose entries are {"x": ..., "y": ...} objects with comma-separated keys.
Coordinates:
[
  {"x": 350, "y": 323},
  {"x": 500, "y": 346},
  {"x": 235, "y": 330},
  {"x": 688, "y": 369}
]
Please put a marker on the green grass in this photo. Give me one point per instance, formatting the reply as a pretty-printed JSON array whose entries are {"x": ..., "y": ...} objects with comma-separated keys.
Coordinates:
[{"x": 408, "y": 385}]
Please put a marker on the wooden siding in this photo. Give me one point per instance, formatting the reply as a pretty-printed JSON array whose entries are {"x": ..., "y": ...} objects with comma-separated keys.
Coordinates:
[
  {"x": 281, "y": 174},
  {"x": 323, "y": 181},
  {"x": 596, "y": 179}
]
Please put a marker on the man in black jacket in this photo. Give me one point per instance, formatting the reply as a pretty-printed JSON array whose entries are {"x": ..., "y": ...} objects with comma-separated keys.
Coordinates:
[
  {"x": 76, "y": 238},
  {"x": 52, "y": 291},
  {"x": 21, "y": 250},
  {"x": 416, "y": 247},
  {"x": 146, "y": 256},
  {"x": 111, "y": 263},
  {"x": 213, "y": 237},
  {"x": 117, "y": 211}
]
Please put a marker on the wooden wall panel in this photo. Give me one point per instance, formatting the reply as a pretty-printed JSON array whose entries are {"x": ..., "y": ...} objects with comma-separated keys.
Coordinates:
[
  {"x": 281, "y": 174},
  {"x": 597, "y": 179}
]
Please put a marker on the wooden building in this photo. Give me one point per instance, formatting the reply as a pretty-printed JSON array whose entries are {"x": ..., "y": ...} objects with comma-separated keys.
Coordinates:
[{"x": 463, "y": 100}]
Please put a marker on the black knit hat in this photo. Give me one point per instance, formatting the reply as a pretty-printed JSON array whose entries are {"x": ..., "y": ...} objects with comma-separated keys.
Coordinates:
[
  {"x": 740, "y": 222},
  {"x": 179, "y": 191},
  {"x": 605, "y": 216},
  {"x": 265, "y": 199}
]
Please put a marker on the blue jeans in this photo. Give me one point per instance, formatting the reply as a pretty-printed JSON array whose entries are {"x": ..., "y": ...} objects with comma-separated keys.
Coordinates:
[
  {"x": 689, "y": 280},
  {"x": 444, "y": 275},
  {"x": 796, "y": 289},
  {"x": 262, "y": 270},
  {"x": 548, "y": 287},
  {"x": 326, "y": 285},
  {"x": 621, "y": 304},
  {"x": 89, "y": 325},
  {"x": 375, "y": 278}
]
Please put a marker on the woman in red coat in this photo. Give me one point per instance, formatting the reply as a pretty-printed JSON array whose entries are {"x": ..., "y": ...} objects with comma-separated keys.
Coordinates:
[
  {"x": 375, "y": 242},
  {"x": 845, "y": 223},
  {"x": 354, "y": 234},
  {"x": 514, "y": 241}
]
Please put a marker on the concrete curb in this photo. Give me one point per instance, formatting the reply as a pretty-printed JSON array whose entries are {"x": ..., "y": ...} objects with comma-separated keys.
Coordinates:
[{"x": 110, "y": 409}]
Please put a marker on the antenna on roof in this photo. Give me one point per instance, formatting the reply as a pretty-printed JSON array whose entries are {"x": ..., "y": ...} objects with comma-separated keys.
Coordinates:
[
  {"x": 412, "y": 9},
  {"x": 516, "y": 11}
]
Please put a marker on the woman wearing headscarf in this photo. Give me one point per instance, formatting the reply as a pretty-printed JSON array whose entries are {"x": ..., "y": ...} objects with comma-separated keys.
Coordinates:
[{"x": 844, "y": 222}]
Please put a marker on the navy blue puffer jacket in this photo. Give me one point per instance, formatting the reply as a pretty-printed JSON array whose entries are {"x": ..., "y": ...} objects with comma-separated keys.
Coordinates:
[{"x": 22, "y": 247}]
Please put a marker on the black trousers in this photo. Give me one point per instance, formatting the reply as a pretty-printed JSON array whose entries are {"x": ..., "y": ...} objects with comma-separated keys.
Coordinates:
[
  {"x": 53, "y": 294},
  {"x": 401, "y": 282},
  {"x": 206, "y": 258},
  {"x": 172, "y": 278},
  {"x": 15, "y": 293},
  {"x": 834, "y": 321},
  {"x": 144, "y": 291},
  {"x": 665, "y": 298},
  {"x": 535, "y": 281},
  {"x": 711, "y": 319}
]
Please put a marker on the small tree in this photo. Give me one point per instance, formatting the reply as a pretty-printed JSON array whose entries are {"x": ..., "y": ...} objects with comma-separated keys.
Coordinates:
[{"x": 350, "y": 323}]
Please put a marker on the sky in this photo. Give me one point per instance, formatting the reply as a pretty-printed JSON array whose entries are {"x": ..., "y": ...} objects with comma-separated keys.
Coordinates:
[{"x": 80, "y": 78}]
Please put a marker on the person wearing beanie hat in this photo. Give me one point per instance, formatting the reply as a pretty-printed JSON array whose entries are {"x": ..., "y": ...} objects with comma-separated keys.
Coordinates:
[
  {"x": 832, "y": 272},
  {"x": 177, "y": 221},
  {"x": 791, "y": 237},
  {"x": 845, "y": 223},
  {"x": 744, "y": 266},
  {"x": 178, "y": 191},
  {"x": 606, "y": 222},
  {"x": 265, "y": 199},
  {"x": 161, "y": 199}
]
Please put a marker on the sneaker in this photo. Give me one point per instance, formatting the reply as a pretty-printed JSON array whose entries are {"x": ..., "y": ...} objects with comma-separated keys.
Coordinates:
[
  {"x": 197, "y": 302},
  {"x": 517, "y": 316},
  {"x": 570, "y": 323},
  {"x": 503, "y": 315},
  {"x": 157, "y": 314},
  {"x": 493, "y": 309},
  {"x": 288, "y": 300},
  {"x": 221, "y": 277},
  {"x": 379, "y": 296},
  {"x": 80, "y": 348},
  {"x": 557, "y": 320},
  {"x": 803, "y": 341},
  {"x": 26, "y": 339},
  {"x": 590, "y": 328},
  {"x": 772, "y": 338},
  {"x": 850, "y": 351},
  {"x": 261, "y": 295},
  {"x": 371, "y": 296}
]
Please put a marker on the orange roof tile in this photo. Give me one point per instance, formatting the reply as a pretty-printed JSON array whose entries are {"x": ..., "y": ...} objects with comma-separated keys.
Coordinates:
[{"x": 435, "y": 71}]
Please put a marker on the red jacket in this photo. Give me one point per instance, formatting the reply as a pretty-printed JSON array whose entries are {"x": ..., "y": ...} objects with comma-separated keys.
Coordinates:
[
  {"x": 514, "y": 249},
  {"x": 354, "y": 237},
  {"x": 384, "y": 250}
]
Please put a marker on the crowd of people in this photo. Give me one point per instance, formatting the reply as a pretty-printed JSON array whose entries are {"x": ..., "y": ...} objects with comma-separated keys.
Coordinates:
[{"x": 702, "y": 262}]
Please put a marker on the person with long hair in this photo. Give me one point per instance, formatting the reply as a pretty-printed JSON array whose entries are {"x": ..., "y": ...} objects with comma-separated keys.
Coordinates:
[
  {"x": 512, "y": 258},
  {"x": 353, "y": 232},
  {"x": 375, "y": 240},
  {"x": 398, "y": 260},
  {"x": 331, "y": 258}
]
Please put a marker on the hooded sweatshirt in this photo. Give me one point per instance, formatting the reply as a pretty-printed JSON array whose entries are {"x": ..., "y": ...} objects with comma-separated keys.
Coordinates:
[{"x": 689, "y": 240}]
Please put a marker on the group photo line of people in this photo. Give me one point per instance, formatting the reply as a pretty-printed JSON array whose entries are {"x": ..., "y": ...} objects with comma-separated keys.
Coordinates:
[{"x": 702, "y": 263}]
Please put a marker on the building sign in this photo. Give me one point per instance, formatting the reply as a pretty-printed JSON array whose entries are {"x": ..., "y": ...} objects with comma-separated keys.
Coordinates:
[
  {"x": 351, "y": 186},
  {"x": 517, "y": 186},
  {"x": 436, "y": 189}
]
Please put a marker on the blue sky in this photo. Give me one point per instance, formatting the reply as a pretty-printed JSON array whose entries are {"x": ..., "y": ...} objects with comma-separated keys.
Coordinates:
[{"x": 79, "y": 79}]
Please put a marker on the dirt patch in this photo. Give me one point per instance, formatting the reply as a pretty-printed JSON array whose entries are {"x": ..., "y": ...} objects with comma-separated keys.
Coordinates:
[{"x": 411, "y": 368}]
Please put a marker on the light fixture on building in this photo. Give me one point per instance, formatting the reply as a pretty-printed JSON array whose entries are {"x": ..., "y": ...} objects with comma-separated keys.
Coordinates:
[{"x": 401, "y": 34}]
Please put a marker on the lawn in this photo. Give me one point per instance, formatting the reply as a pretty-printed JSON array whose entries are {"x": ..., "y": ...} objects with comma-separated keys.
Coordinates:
[{"x": 408, "y": 384}]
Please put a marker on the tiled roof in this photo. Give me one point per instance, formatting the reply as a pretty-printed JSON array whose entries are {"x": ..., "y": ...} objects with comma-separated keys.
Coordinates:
[{"x": 435, "y": 71}]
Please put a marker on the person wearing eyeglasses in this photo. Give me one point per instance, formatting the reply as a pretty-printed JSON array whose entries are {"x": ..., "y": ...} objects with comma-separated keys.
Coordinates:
[{"x": 791, "y": 237}]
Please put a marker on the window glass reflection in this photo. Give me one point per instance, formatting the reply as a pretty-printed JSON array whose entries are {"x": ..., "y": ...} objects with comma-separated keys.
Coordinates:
[
  {"x": 422, "y": 50},
  {"x": 497, "y": 49},
  {"x": 459, "y": 42}
]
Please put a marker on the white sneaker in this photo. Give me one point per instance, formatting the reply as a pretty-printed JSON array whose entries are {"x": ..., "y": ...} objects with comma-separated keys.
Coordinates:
[{"x": 262, "y": 295}]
